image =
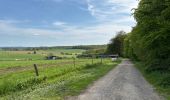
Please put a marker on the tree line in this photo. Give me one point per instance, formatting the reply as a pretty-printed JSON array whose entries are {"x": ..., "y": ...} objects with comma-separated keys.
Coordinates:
[
  {"x": 149, "y": 40},
  {"x": 84, "y": 47}
]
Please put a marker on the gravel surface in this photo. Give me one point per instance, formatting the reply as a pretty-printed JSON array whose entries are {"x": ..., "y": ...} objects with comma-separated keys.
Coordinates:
[{"x": 124, "y": 82}]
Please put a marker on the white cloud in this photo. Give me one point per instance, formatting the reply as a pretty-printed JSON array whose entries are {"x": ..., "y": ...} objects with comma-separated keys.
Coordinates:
[
  {"x": 91, "y": 9},
  {"x": 36, "y": 34},
  {"x": 110, "y": 9},
  {"x": 10, "y": 29},
  {"x": 11, "y": 21},
  {"x": 102, "y": 31},
  {"x": 59, "y": 23}
]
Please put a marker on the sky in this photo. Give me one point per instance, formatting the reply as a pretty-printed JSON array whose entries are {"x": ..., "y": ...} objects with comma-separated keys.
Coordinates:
[{"x": 30, "y": 23}]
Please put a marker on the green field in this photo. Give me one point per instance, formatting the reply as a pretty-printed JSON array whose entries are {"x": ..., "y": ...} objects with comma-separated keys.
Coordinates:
[
  {"x": 40, "y": 54},
  {"x": 10, "y": 64},
  {"x": 57, "y": 79},
  {"x": 18, "y": 55}
]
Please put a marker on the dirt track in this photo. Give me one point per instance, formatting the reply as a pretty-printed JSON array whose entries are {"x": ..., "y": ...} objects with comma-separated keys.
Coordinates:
[{"x": 124, "y": 82}]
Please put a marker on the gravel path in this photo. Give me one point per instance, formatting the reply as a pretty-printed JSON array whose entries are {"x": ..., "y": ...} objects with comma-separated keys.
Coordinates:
[{"x": 124, "y": 82}]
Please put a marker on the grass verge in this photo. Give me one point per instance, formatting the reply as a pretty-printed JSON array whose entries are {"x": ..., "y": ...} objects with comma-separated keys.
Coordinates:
[{"x": 161, "y": 81}]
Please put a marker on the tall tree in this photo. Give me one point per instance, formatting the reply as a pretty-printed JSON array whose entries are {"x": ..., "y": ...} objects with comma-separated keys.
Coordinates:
[
  {"x": 116, "y": 44},
  {"x": 150, "y": 40}
]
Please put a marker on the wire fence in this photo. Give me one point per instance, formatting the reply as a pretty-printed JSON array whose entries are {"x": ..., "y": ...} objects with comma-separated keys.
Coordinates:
[{"x": 20, "y": 61}]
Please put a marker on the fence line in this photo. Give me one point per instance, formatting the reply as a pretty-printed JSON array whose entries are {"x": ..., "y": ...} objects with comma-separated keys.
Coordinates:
[{"x": 23, "y": 68}]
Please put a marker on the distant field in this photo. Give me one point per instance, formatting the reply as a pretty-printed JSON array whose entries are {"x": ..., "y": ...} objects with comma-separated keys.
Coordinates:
[
  {"x": 62, "y": 52},
  {"x": 40, "y": 54},
  {"x": 18, "y": 55}
]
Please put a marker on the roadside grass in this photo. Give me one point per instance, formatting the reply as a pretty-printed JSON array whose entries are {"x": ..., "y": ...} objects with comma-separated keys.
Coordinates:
[
  {"x": 58, "y": 83},
  {"x": 161, "y": 81}
]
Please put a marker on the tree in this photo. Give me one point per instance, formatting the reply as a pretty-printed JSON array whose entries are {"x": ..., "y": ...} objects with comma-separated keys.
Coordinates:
[
  {"x": 116, "y": 44},
  {"x": 149, "y": 40}
]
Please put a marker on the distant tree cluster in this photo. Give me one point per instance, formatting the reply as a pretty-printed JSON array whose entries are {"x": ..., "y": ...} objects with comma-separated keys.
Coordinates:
[
  {"x": 116, "y": 44},
  {"x": 90, "y": 47},
  {"x": 84, "y": 47},
  {"x": 95, "y": 51}
]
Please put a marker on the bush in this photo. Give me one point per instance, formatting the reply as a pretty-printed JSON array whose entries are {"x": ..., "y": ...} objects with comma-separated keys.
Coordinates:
[{"x": 165, "y": 82}]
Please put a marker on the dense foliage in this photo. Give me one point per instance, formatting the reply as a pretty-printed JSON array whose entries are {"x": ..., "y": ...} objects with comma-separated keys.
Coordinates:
[
  {"x": 149, "y": 40},
  {"x": 116, "y": 44}
]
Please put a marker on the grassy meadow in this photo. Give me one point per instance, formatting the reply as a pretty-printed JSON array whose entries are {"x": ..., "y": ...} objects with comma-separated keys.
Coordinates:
[
  {"x": 57, "y": 80},
  {"x": 40, "y": 54}
]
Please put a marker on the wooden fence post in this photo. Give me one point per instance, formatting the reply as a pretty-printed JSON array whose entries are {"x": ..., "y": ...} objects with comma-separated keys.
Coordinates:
[
  {"x": 36, "y": 70},
  {"x": 92, "y": 59},
  {"x": 74, "y": 62},
  {"x": 101, "y": 60}
]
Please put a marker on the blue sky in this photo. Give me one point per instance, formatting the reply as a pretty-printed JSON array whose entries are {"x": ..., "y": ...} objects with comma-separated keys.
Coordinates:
[{"x": 63, "y": 22}]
